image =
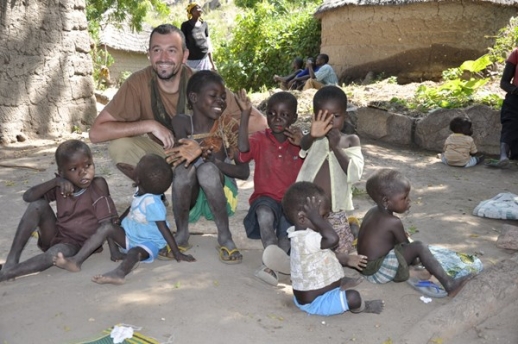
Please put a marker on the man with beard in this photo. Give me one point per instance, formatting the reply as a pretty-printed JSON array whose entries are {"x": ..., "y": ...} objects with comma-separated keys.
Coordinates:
[{"x": 149, "y": 98}]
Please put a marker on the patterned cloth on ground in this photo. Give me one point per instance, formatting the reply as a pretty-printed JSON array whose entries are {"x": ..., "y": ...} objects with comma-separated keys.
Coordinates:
[{"x": 502, "y": 206}]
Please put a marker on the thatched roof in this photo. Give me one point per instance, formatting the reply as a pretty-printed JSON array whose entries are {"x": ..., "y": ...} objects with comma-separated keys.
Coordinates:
[
  {"x": 123, "y": 38},
  {"x": 328, "y": 5}
]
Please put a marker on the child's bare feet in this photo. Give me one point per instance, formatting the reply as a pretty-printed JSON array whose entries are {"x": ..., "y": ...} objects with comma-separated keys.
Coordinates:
[
  {"x": 117, "y": 256},
  {"x": 457, "y": 285},
  {"x": 113, "y": 277},
  {"x": 350, "y": 282},
  {"x": 61, "y": 262},
  {"x": 420, "y": 273},
  {"x": 374, "y": 306}
]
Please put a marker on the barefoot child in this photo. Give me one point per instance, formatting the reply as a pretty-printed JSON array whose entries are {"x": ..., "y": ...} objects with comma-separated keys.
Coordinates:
[
  {"x": 319, "y": 285},
  {"x": 210, "y": 140},
  {"x": 144, "y": 230},
  {"x": 277, "y": 163},
  {"x": 334, "y": 162},
  {"x": 459, "y": 147},
  {"x": 382, "y": 237},
  {"x": 83, "y": 205}
]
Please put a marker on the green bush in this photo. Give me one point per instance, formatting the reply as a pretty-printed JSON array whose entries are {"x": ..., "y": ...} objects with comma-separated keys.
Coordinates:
[{"x": 264, "y": 41}]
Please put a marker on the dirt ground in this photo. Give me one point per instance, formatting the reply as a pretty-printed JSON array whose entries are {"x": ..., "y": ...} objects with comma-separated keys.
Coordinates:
[{"x": 207, "y": 301}]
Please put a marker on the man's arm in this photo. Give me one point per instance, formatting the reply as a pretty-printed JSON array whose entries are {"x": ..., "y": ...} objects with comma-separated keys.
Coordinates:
[{"x": 107, "y": 128}]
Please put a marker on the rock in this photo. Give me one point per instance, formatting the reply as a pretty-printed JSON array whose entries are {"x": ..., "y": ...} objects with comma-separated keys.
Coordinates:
[
  {"x": 432, "y": 130},
  {"x": 509, "y": 238},
  {"x": 383, "y": 125}
]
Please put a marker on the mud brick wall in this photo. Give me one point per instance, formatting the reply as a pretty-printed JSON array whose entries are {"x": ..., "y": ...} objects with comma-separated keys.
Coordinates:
[{"x": 46, "y": 84}]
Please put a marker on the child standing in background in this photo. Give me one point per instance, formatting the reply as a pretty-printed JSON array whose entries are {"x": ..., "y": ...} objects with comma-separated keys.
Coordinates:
[{"x": 459, "y": 148}]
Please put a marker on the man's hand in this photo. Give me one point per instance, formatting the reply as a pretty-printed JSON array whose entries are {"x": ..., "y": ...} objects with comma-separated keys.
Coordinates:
[
  {"x": 187, "y": 151},
  {"x": 321, "y": 124},
  {"x": 294, "y": 135},
  {"x": 164, "y": 135}
]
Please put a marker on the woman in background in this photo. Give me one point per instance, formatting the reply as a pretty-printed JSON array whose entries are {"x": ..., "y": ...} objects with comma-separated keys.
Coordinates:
[{"x": 196, "y": 33}]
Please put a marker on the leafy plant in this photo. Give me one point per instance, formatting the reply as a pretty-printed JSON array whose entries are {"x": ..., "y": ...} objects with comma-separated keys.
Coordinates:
[{"x": 267, "y": 34}]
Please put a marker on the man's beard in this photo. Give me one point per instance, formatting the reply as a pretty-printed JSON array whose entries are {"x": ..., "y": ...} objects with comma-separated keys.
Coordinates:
[{"x": 168, "y": 76}]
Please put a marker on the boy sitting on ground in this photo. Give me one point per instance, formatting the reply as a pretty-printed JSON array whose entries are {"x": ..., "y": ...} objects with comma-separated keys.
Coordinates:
[
  {"x": 83, "y": 206},
  {"x": 144, "y": 229},
  {"x": 277, "y": 163},
  {"x": 334, "y": 162},
  {"x": 319, "y": 285},
  {"x": 459, "y": 147},
  {"x": 383, "y": 240}
]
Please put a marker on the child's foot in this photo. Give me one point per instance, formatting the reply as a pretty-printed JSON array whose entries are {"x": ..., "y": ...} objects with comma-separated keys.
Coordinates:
[
  {"x": 117, "y": 256},
  {"x": 61, "y": 262},
  {"x": 112, "y": 277},
  {"x": 420, "y": 273},
  {"x": 350, "y": 282},
  {"x": 374, "y": 306},
  {"x": 457, "y": 285}
]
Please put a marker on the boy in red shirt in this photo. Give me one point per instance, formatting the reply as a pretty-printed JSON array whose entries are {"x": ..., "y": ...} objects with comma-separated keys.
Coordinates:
[{"x": 277, "y": 164}]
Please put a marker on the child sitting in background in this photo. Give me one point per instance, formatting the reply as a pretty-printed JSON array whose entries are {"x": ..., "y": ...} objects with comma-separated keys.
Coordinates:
[
  {"x": 334, "y": 162},
  {"x": 144, "y": 230},
  {"x": 459, "y": 148},
  {"x": 383, "y": 239},
  {"x": 277, "y": 163},
  {"x": 319, "y": 285}
]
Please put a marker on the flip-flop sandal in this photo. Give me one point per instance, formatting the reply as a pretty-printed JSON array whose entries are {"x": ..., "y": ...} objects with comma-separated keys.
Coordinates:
[
  {"x": 165, "y": 253},
  {"x": 267, "y": 275},
  {"x": 276, "y": 259},
  {"x": 427, "y": 288},
  {"x": 228, "y": 256},
  {"x": 503, "y": 164}
]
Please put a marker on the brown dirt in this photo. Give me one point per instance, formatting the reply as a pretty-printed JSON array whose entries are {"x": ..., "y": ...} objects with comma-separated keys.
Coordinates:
[{"x": 209, "y": 301}]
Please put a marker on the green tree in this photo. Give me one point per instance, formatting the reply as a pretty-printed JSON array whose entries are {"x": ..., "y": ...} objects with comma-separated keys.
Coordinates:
[
  {"x": 264, "y": 41},
  {"x": 117, "y": 11}
]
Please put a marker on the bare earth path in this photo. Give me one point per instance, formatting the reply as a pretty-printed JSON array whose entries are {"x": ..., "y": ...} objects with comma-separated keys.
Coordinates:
[{"x": 207, "y": 301}]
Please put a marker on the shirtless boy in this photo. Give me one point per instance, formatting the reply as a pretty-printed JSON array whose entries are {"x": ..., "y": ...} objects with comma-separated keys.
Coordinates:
[
  {"x": 319, "y": 285},
  {"x": 334, "y": 162},
  {"x": 383, "y": 240}
]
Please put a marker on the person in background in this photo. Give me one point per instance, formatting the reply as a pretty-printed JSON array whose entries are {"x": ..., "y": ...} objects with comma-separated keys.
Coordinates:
[
  {"x": 196, "y": 32},
  {"x": 325, "y": 75},
  {"x": 284, "y": 81}
]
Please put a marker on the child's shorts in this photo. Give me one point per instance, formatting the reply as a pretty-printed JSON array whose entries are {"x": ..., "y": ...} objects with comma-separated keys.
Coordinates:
[
  {"x": 150, "y": 247},
  {"x": 331, "y": 303},
  {"x": 281, "y": 224}
]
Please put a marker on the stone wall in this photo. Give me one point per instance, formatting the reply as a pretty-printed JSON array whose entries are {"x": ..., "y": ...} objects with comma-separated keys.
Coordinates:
[
  {"x": 46, "y": 84},
  {"x": 431, "y": 131},
  {"x": 414, "y": 41}
]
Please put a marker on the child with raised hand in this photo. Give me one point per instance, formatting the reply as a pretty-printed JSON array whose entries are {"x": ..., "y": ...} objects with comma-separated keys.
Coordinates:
[
  {"x": 383, "y": 239},
  {"x": 319, "y": 285},
  {"x": 459, "y": 147},
  {"x": 334, "y": 161},
  {"x": 83, "y": 206},
  {"x": 205, "y": 164},
  {"x": 277, "y": 163},
  {"x": 144, "y": 226}
]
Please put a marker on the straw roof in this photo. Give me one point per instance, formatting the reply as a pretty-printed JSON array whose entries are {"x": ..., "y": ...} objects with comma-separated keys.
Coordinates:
[
  {"x": 329, "y": 5},
  {"x": 123, "y": 38}
]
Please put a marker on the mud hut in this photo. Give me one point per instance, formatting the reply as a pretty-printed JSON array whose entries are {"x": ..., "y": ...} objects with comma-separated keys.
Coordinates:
[{"x": 414, "y": 40}]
